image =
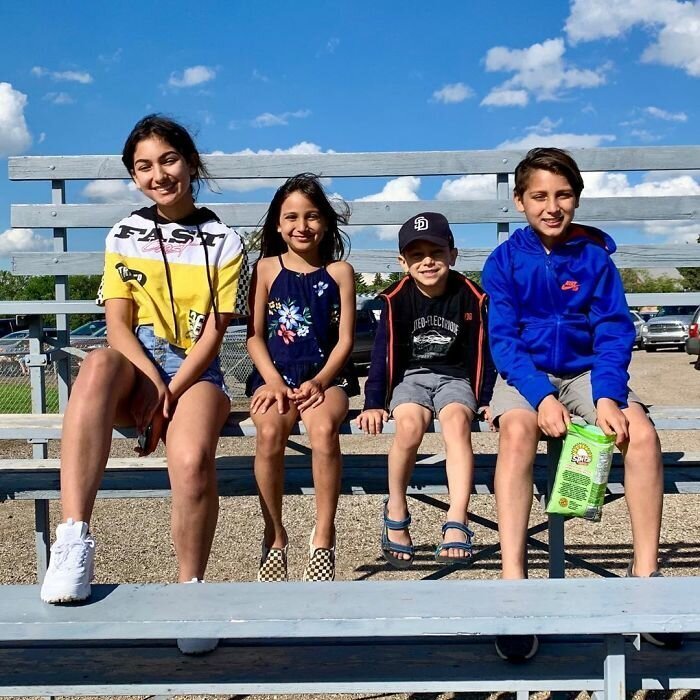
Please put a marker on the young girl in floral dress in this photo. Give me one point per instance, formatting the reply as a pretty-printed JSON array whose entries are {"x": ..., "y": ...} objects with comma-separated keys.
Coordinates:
[{"x": 300, "y": 338}]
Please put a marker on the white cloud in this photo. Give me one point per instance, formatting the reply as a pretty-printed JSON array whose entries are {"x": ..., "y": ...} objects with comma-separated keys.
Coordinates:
[
  {"x": 257, "y": 75},
  {"x": 14, "y": 134},
  {"x": 468, "y": 187},
  {"x": 71, "y": 76},
  {"x": 653, "y": 185},
  {"x": 539, "y": 71},
  {"x": 400, "y": 189},
  {"x": 452, "y": 93},
  {"x": 557, "y": 140},
  {"x": 59, "y": 98},
  {"x": 22, "y": 240},
  {"x": 666, "y": 116},
  {"x": 304, "y": 148},
  {"x": 113, "y": 192},
  {"x": 505, "y": 98},
  {"x": 195, "y": 75},
  {"x": 675, "y": 26},
  {"x": 282, "y": 119}
]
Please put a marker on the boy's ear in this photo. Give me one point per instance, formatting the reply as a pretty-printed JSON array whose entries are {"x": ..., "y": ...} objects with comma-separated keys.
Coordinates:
[
  {"x": 402, "y": 262},
  {"x": 453, "y": 256},
  {"x": 519, "y": 202}
]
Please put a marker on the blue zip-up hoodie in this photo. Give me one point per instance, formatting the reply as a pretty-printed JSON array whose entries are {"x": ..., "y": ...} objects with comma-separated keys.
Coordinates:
[{"x": 561, "y": 313}]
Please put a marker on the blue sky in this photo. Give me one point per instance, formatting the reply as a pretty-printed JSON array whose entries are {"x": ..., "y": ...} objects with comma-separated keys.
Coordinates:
[{"x": 352, "y": 76}]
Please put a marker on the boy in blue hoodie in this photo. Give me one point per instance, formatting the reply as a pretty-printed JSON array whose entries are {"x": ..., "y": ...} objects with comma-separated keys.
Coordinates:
[{"x": 561, "y": 338}]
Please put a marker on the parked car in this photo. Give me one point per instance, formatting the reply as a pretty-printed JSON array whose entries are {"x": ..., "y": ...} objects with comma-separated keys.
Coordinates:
[
  {"x": 638, "y": 323},
  {"x": 366, "y": 321},
  {"x": 88, "y": 329},
  {"x": 17, "y": 339},
  {"x": 692, "y": 343},
  {"x": 668, "y": 329}
]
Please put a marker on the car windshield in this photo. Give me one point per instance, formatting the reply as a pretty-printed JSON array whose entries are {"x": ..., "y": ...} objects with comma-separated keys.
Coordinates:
[
  {"x": 88, "y": 328},
  {"x": 14, "y": 335},
  {"x": 675, "y": 311}
]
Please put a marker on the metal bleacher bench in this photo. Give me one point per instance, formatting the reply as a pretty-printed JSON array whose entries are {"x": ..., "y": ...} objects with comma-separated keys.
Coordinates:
[
  {"x": 399, "y": 636},
  {"x": 357, "y": 637}
]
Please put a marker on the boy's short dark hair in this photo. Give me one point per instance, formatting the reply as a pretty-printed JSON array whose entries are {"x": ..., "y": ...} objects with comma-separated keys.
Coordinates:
[{"x": 556, "y": 161}]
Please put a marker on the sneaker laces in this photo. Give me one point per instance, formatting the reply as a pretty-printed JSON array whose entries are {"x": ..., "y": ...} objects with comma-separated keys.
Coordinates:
[{"x": 72, "y": 553}]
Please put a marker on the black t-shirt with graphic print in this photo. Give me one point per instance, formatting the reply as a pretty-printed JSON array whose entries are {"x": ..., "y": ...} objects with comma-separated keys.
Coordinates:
[{"x": 439, "y": 337}]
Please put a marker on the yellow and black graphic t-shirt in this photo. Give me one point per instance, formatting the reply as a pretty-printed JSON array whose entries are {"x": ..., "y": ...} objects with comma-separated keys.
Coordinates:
[{"x": 143, "y": 247}]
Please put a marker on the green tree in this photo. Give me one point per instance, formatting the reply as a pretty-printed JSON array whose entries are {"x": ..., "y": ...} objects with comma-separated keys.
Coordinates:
[
  {"x": 377, "y": 283},
  {"x": 643, "y": 281},
  {"x": 361, "y": 287},
  {"x": 394, "y": 277},
  {"x": 691, "y": 278},
  {"x": 24, "y": 288}
]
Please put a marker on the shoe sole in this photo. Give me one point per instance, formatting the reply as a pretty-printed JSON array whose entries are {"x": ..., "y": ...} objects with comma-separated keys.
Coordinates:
[
  {"x": 76, "y": 597},
  {"x": 519, "y": 660},
  {"x": 211, "y": 645}
]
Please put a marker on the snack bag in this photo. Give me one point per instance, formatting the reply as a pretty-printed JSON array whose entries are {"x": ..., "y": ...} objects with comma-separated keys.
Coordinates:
[{"x": 582, "y": 472}]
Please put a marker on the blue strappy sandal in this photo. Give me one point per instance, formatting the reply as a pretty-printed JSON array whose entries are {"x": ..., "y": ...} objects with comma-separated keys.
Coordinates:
[
  {"x": 390, "y": 548},
  {"x": 441, "y": 558}
]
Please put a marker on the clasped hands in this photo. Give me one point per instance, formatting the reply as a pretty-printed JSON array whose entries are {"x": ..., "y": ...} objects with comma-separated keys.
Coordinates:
[{"x": 308, "y": 395}]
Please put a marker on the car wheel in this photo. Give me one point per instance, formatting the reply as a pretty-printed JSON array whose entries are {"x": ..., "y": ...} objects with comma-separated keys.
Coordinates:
[{"x": 651, "y": 348}]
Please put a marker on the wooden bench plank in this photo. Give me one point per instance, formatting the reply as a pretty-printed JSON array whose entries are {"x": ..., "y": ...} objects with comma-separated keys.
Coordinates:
[
  {"x": 382, "y": 260},
  {"x": 21, "y": 426},
  {"x": 370, "y": 164},
  {"x": 371, "y": 213},
  {"x": 31, "y": 479},
  {"x": 466, "y": 665},
  {"x": 381, "y": 609},
  {"x": 24, "y": 426}
]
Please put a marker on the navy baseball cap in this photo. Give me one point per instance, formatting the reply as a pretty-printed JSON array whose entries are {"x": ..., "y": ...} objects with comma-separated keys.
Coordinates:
[{"x": 426, "y": 226}]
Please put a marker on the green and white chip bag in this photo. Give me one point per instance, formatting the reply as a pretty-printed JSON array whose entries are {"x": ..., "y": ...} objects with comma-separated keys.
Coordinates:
[{"x": 582, "y": 472}]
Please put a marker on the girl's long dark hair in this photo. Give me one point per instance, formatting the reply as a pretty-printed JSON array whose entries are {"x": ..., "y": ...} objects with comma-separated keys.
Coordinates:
[
  {"x": 334, "y": 243},
  {"x": 174, "y": 134}
]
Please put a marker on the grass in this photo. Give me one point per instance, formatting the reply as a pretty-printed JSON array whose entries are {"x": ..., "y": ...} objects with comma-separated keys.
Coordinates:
[{"x": 18, "y": 399}]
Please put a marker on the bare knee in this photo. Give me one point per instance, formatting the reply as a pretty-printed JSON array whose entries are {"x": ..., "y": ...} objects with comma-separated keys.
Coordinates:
[
  {"x": 409, "y": 431},
  {"x": 456, "y": 423},
  {"x": 644, "y": 438},
  {"x": 270, "y": 439},
  {"x": 101, "y": 367},
  {"x": 192, "y": 473},
  {"x": 520, "y": 431},
  {"x": 323, "y": 435}
]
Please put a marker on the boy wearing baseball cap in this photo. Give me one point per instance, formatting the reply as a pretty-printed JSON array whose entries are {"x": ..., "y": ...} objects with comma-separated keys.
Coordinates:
[{"x": 430, "y": 358}]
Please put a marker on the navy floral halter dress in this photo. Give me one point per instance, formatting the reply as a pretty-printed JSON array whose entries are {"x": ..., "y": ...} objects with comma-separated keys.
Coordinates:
[{"x": 303, "y": 316}]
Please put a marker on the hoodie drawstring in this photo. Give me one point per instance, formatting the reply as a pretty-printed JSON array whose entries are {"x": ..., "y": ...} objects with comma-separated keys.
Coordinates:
[{"x": 211, "y": 286}]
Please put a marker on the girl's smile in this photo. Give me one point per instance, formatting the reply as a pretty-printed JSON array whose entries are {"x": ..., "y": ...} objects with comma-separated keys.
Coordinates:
[{"x": 164, "y": 176}]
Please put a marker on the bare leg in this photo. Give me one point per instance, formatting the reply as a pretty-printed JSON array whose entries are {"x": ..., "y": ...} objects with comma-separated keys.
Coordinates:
[
  {"x": 98, "y": 401},
  {"x": 272, "y": 430},
  {"x": 516, "y": 453},
  {"x": 411, "y": 423},
  {"x": 643, "y": 488},
  {"x": 455, "y": 422},
  {"x": 322, "y": 424},
  {"x": 191, "y": 442}
]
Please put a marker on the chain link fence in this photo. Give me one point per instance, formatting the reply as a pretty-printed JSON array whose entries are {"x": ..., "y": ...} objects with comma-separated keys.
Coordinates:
[{"x": 15, "y": 385}]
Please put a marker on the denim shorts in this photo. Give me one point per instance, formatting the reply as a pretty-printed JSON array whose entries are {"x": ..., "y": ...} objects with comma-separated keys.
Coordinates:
[{"x": 168, "y": 359}]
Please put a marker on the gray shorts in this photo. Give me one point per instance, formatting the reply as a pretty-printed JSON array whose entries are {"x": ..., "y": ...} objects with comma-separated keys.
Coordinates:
[
  {"x": 576, "y": 393},
  {"x": 433, "y": 391}
]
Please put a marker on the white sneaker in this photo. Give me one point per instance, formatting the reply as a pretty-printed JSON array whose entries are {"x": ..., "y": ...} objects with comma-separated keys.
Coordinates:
[
  {"x": 197, "y": 645},
  {"x": 71, "y": 565}
]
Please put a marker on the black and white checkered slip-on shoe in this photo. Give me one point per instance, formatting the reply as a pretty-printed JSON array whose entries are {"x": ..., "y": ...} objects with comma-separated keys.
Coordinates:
[
  {"x": 321, "y": 566},
  {"x": 273, "y": 564}
]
